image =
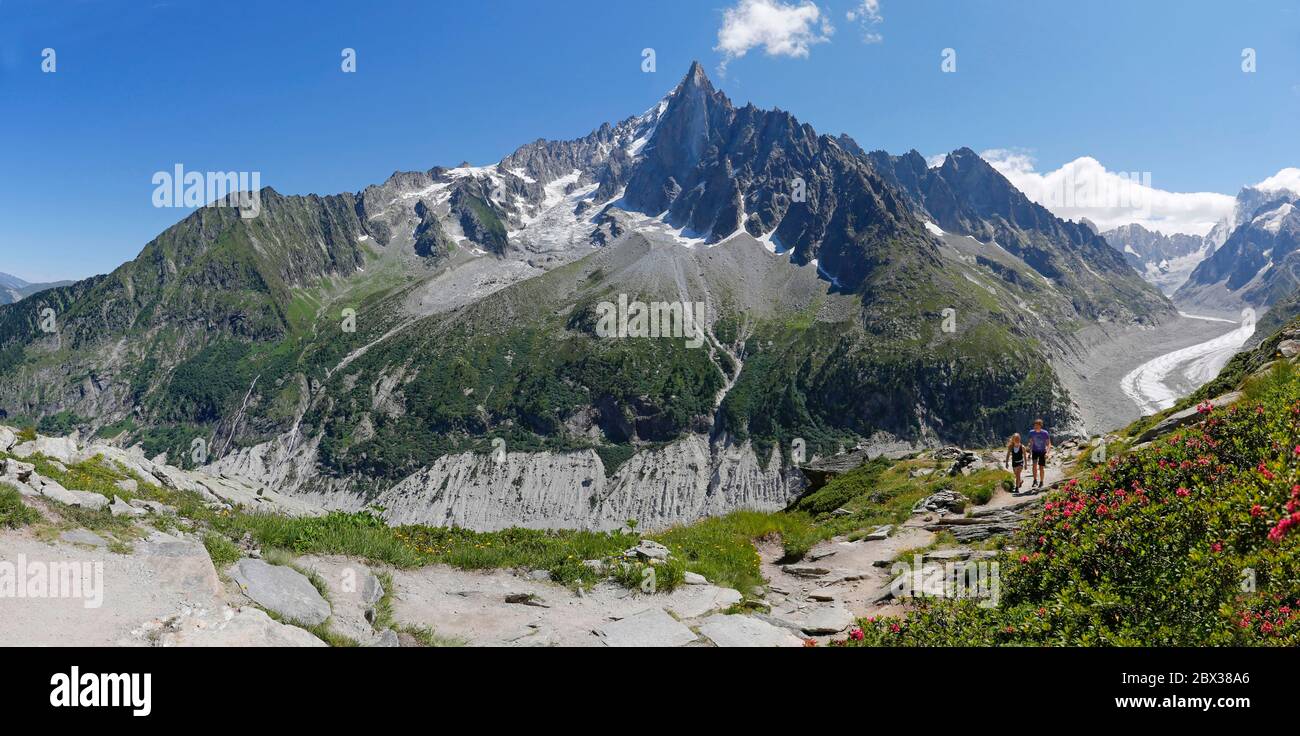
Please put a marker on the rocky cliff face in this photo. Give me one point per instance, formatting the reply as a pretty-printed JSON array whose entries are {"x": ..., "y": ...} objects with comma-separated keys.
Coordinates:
[
  {"x": 1164, "y": 260},
  {"x": 1259, "y": 265},
  {"x": 679, "y": 483},
  {"x": 966, "y": 195}
]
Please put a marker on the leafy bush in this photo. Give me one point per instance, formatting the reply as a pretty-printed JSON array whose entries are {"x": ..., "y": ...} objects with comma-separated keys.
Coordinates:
[
  {"x": 1193, "y": 541},
  {"x": 13, "y": 512},
  {"x": 56, "y": 425}
]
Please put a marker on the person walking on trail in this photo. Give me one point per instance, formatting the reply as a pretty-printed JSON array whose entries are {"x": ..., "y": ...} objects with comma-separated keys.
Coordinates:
[
  {"x": 1016, "y": 458},
  {"x": 1040, "y": 444}
]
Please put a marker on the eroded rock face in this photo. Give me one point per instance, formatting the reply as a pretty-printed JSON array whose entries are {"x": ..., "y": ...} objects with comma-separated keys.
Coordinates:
[{"x": 679, "y": 483}]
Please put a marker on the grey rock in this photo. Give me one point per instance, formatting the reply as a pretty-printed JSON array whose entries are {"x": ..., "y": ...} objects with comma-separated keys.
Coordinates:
[
  {"x": 652, "y": 627},
  {"x": 243, "y": 627},
  {"x": 1187, "y": 416},
  {"x": 805, "y": 571},
  {"x": 127, "y": 485},
  {"x": 823, "y": 596},
  {"x": 747, "y": 631},
  {"x": 694, "y": 578},
  {"x": 648, "y": 550},
  {"x": 827, "y": 620},
  {"x": 387, "y": 639},
  {"x": 1289, "y": 348},
  {"x": 946, "y": 555},
  {"x": 122, "y": 508},
  {"x": 16, "y": 469},
  {"x": 55, "y": 492},
  {"x": 879, "y": 533},
  {"x": 83, "y": 536},
  {"x": 372, "y": 590},
  {"x": 944, "y": 500},
  {"x": 281, "y": 589},
  {"x": 152, "y": 506}
]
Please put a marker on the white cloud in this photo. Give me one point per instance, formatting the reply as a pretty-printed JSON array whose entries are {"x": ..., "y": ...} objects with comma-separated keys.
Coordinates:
[
  {"x": 781, "y": 29},
  {"x": 1085, "y": 188},
  {"x": 1288, "y": 179},
  {"x": 867, "y": 14}
]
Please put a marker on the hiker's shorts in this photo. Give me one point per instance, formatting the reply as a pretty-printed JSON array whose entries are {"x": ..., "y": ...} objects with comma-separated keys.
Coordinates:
[{"x": 1040, "y": 458}]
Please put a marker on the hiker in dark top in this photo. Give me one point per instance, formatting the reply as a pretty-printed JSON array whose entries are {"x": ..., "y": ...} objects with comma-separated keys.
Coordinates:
[
  {"x": 1016, "y": 458},
  {"x": 1040, "y": 444}
]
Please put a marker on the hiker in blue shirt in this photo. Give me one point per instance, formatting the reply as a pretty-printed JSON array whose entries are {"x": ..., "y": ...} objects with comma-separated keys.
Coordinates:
[{"x": 1040, "y": 444}]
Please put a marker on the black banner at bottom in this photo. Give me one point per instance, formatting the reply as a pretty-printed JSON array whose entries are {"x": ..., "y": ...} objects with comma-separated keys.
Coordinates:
[{"x": 334, "y": 686}]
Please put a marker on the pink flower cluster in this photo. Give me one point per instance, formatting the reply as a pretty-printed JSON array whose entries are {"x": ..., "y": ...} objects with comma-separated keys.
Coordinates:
[{"x": 1291, "y": 520}]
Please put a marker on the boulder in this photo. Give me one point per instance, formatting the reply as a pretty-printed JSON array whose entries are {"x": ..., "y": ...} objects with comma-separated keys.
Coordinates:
[
  {"x": 152, "y": 506},
  {"x": 694, "y": 578},
  {"x": 746, "y": 631},
  {"x": 879, "y": 533},
  {"x": 122, "y": 508},
  {"x": 827, "y": 620},
  {"x": 281, "y": 589},
  {"x": 7, "y": 439},
  {"x": 55, "y": 492},
  {"x": 1187, "y": 416},
  {"x": 16, "y": 470},
  {"x": 648, "y": 550},
  {"x": 184, "y": 564},
  {"x": 944, "y": 500},
  {"x": 652, "y": 627},
  {"x": 127, "y": 485},
  {"x": 694, "y": 601},
  {"x": 1289, "y": 348},
  {"x": 965, "y": 463},
  {"x": 63, "y": 449}
]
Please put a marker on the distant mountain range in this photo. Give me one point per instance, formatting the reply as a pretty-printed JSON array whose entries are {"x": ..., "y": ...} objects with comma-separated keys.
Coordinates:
[
  {"x": 1163, "y": 260},
  {"x": 433, "y": 343},
  {"x": 1259, "y": 263},
  {"x": 14, "y": 289}
]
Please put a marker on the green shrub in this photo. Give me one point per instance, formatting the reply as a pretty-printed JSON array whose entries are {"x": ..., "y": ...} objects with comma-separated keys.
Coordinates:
[
  {"x": 13, "y": 512},
  {"x": 1193, "y": 541},
  {"x": 222, "y": 551}
]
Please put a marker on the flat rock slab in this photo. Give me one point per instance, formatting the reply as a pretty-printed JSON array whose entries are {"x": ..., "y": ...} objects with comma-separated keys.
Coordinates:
[
  {"x": 827, "y": 620},
  {"x": 652, "y": 627},
  {"x": 232, "y": 627},
  {"x": 806, "y": 571},
  {"x": 55, "y": 492},
  {"x": 746, "y": 631},
  {"x": 696, "y": 600},
  {"x": 157, "y": 578},
  {"x": 83, "y": 536},
  {"x": 354, "y": 589},
  {"x": 281, "y": 589}
]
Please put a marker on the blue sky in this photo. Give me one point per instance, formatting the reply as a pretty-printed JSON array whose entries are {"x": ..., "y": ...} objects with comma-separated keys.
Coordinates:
[{"x": 256, "y": 86}]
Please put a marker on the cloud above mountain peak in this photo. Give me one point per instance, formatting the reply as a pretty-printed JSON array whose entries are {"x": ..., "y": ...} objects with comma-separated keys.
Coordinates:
[
  {"x": 1084, "y": 187},
  {"x": 779, "y": 28}
]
